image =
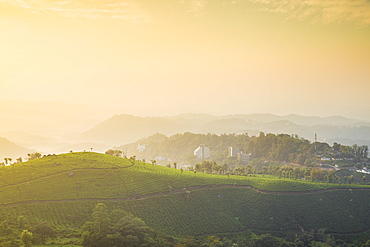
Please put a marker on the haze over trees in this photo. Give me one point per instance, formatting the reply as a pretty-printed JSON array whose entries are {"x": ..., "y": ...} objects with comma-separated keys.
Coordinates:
[
  {"x": 121, "y": 129},
  {"x": 270, "y": 147}
]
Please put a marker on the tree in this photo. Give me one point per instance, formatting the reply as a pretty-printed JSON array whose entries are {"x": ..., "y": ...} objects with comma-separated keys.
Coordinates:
[
  {"x": 112, "y": 152},
  {"x": 268, "y": 240},
  {"x": 43, "y": 231},
  {"x": 336, "y": 147},
  {"x": 264, "y": 170},
  {"x": 118, "y": 229},
  {"x": 350, "y": 179},
  {"x": 32, "y": 156},
  {"x": 316, "y": 174},
  {"x": 100, "y": 217},
  {"x": 132, "y": 159},
  {"x": 26, "y": 238}
]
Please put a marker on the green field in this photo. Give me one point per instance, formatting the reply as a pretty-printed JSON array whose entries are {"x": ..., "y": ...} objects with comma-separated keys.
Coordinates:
[{"x": 63, "y": 189}]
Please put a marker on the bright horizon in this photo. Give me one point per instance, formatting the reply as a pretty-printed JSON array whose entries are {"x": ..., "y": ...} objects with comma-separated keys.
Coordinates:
[{"x": 172, "y": 57}]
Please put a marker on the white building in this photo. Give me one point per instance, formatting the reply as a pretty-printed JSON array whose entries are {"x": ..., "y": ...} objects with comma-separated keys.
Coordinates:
[
  {"x": 233, "y": 152},
  {"x": 202, "y": 152}
]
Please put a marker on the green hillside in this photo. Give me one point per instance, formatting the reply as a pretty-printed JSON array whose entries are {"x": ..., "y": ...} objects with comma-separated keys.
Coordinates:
[{"x": 63, "y": 189}]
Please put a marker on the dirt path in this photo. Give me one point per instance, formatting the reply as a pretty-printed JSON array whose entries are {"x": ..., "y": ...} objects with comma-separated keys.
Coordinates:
[
  {"x": 195, "y": 188},
  {"x": 179, "y": 191}
]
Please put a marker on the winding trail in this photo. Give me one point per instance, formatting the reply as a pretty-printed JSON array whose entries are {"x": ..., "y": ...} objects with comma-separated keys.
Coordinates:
[
  {"x": 179, "y": 191},
  {"x": 195, "y": 188}
]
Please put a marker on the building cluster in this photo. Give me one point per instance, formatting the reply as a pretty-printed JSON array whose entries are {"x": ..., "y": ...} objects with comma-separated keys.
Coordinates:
[
  {"x": 240, "y": 155},
  {"x": 363, "y": 170},
  {"x": 203, "y": 152}
]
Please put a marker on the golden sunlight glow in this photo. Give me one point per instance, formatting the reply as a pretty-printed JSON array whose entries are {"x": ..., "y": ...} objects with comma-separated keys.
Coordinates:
[{"x": 168, "y": 57}]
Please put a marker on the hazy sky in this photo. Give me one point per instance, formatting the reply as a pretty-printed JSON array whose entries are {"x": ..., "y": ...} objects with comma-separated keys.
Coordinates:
[{"x": 173, "y": 56}]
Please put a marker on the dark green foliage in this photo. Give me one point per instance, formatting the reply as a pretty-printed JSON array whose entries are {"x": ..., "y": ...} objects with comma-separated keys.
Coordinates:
[
  {"x": 43, "y": 231},
  {"x": 32, "y": 156},
  {"x": 217, "y": 210},
  {"x": 118, "y": 229},
  {"x": 26, "y": 238},
  {"x": 113, "y": 152},
  {"x": 269, "y": 240}
]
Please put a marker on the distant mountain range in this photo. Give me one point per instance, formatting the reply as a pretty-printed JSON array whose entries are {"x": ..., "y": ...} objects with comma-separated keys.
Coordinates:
[
  {"x": 123, "y": 129},
  {"x": 9, "y": 149},
  {"x": 51, "y": 127}
]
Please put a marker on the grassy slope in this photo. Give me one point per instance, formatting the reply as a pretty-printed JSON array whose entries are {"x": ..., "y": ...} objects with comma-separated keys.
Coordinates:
[{"x": 87, "y": 176}]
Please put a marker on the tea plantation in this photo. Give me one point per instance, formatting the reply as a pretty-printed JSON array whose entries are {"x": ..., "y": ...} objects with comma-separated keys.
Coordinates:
[{"x": 63, "y": 189}]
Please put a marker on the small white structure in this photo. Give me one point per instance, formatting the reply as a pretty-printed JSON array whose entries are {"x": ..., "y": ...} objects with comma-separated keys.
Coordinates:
[
  {"x": 364, "y": 170},
  {"x": 202, "y": 152},
  {"x": 232, "y": 152}
]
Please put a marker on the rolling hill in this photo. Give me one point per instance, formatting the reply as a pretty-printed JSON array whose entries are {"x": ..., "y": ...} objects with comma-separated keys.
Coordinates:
[{"x": 63, "y": 189}]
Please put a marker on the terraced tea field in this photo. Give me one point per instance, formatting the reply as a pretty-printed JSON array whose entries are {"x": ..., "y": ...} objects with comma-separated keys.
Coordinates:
[{"x": 62, "y": 190}]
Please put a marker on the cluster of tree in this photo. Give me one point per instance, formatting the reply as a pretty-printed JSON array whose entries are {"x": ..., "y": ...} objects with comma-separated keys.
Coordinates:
[
  {"x": 119, "y": 228},
  {"x": 8, "y": 161},
  {"x": 282, "y": 170},
  {"x": 281, "y": 147},
  {"x": 115, "y": 228},
  {"x": 313, "y": 238},
  {"x": 355, "y": 151},
  {"x": 37, "y": 235},
  {"x": 212, "y": 167},
  {"x": 35, "y": 155},
  {"x": 114, "y": 152},
  {"x": 32, "y": 235}
]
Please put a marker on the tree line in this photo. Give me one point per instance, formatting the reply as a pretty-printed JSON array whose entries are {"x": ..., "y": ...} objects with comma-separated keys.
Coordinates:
[{"x": 271, "y": 147}]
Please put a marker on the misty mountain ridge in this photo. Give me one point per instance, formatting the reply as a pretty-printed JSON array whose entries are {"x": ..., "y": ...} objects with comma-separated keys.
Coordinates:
[
  {"x": 130, "y": 128},
  {"x": 50, "y": 127},
  {"x": 9, "y": 149},
  {"x": 124, "y": 128}
]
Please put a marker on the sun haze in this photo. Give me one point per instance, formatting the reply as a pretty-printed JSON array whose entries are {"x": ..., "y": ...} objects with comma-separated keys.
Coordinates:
[{"x": 168, "y": 57}]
